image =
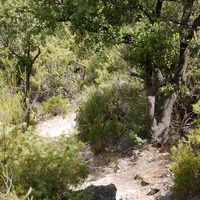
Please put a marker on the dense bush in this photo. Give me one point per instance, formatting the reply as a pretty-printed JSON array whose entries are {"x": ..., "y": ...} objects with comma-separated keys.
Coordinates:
[
  {"x": 49, "y": 166},
  {"x": 186, "y": 167},
  {"x": 109, "y": 112},
  {"x": 186, "y": 163},
  {"x": 56, "y": 105},
  {"x": 12, "y": 110}
]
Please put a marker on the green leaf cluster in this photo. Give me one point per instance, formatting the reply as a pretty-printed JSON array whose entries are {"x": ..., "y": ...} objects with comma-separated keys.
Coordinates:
[{"x": 154, "y": 46}]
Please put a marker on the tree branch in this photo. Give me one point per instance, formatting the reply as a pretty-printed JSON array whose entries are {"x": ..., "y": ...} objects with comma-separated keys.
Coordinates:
[
  {"x": 196, "y": 23},
  {"x": 28, "y": 194},
  {"x": 159, "y": 8},
  {"x": 79, "y": 63},
  {"x": 133, "y": 74},
  {"x": 158, "y": 82},
  {"x": 37, "y": 55}
]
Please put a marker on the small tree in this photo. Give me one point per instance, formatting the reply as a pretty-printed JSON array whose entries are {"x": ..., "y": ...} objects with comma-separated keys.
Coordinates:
[{"x": 159, "y": 40}]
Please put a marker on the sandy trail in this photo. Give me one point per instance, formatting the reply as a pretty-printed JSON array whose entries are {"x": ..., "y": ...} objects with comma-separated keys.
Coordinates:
[
  {"x": 135, "y": 174},
  {"x": 57, "y": 126}
]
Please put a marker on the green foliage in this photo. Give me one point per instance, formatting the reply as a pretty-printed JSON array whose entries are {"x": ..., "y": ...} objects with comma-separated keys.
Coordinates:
[
  {"x": 156, "y": 47},
  {"x": 20, "y": 33},
  {"x": 186, "y": 163},
  {"x": 102, "y": 67},
  {"x": 11, "y": 111},
  {"x": 108, "y": 112},
  {"x": 196, "y": 107},
  {"x": 53, "y": 65},
  {"x": 32, "y": 62},
  {"x": 99, "y": 42},
  {"x": 186, "y": 166},
  {"x": 96, "y": 23},
  {"x": 49, "y": 166},
  {"x": 56, "y": 105},
  {"x": 5, "y": 189}
]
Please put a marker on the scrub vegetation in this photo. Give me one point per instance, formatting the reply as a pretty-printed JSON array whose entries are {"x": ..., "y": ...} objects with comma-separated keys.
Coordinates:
[{"x": 130, "y": 69}]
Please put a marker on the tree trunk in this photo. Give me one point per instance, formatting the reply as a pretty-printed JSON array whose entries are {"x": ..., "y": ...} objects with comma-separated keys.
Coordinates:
[
  {"x": 159, "y": 129},
  {"x": 159, "y": 126},
  {"x": 159, "y": 123},
  {"x": 28, "y": 66}
]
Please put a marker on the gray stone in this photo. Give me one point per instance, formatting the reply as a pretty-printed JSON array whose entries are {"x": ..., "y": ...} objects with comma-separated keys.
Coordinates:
[
  {"x": 144, "y": 183},
  {"x": 125, "y": 142},
  {"x": 166, "y": 196},
  {"x": 153, "y": 191},
  {"x": 128, "y": 195},
  {"x": 101, "y": 192}
]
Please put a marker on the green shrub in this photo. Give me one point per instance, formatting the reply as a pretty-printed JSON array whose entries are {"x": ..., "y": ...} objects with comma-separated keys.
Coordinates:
[
  {"x": 12, "y": 111},
  {"x": 186, "y": 162},
  {"x": 186, "y": 166},
  {"x": 49, "y": 166},
  {"x": 56, "y": 105},
  {"x": 6, "y": 191},
  {"x": 108, "y": 112}
]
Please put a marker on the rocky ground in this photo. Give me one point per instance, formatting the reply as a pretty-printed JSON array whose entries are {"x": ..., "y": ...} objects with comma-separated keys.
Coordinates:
[
  {"x": 138, "y": 174},
  {"x": 142, "y": 174}
]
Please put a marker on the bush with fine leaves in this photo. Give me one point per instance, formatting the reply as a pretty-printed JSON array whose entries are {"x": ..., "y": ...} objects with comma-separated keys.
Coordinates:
[
  {"x": 56, "y": 105},
  {"x": 186, "y": 163},
  {"x": 109, "y": 112},
  {"x": 49, "y": 166},
  {"x": 186, "y": 167}
]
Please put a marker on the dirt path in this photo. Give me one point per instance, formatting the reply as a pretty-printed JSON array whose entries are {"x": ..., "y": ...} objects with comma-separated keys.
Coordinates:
[
  {"x": 144, "y": 175},
  {"x": 57, "y": 125},
  {"x": 138, "y": 174}
]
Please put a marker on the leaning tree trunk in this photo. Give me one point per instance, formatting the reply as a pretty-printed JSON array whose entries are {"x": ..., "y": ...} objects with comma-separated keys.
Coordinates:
[
  {"x": 158, "y": 129},
  {"x": 159, "y": 126}
]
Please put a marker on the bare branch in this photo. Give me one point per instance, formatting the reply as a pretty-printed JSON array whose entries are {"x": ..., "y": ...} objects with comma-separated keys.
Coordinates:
[
  {"x": 37, "y": 55},
  {"x": 79, "y": 63},
  {"x": 28, "y": 194},
  {"x": 196, "y": 23}
]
